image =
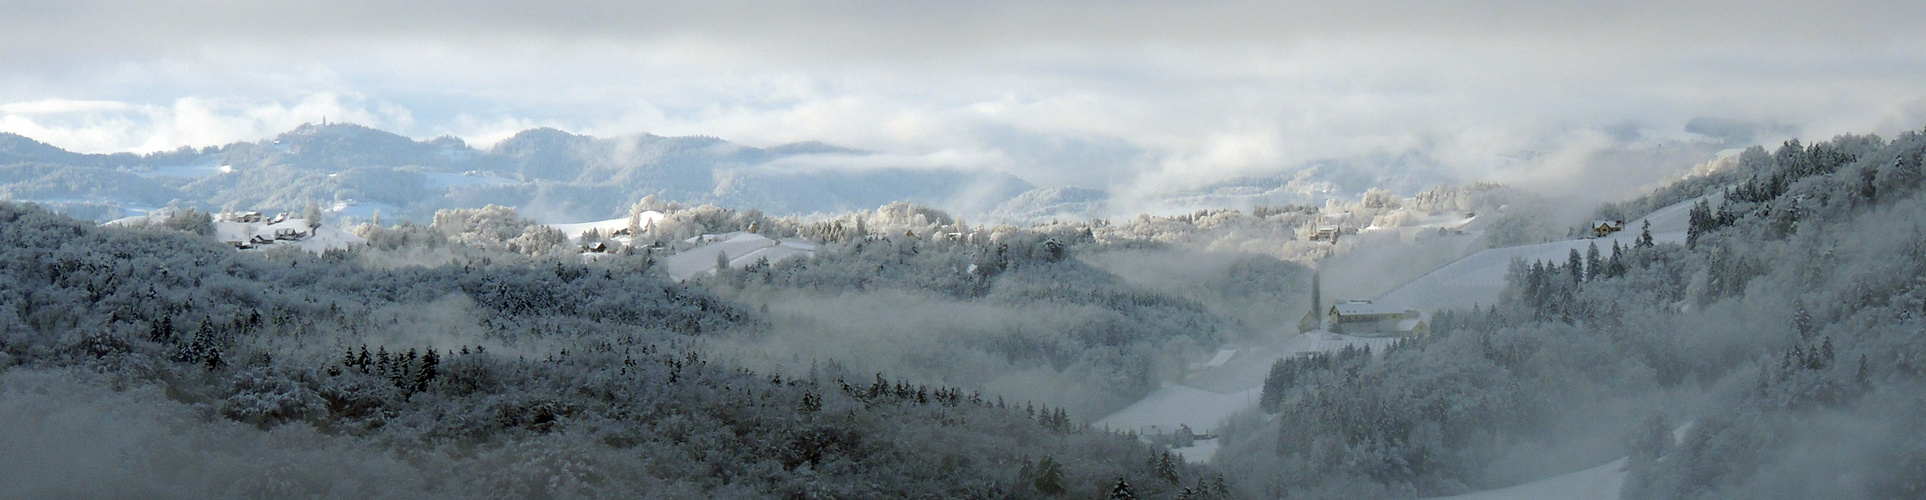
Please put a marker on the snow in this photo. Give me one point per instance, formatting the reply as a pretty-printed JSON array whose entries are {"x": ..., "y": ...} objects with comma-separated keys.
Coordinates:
[
  {"x": 575, "y": 230},
  {"x": 1452, "y": 221},
  {"x": 1480, "y": 277},
  {"x": 607, "y": 227},
  {"x": 1233, "y": 379},
  {"x": 1223, "y": 356},
  {"x": 1321, "y": 341},
  {"x": 202, "y": 169},
  {"x": 1601, "y": 483},
  {"x": 1198, "y": 452},
  {"x": 362, "y": 210},
  {"x": 315, "y": 239},
  {"x": 740, "y": 248},
  {"x": 445, "y": 180},
  {"x": 1165, "y": 409},
  {"x": 1225, "y": 387},
  {"x": 319, "y": 239}
]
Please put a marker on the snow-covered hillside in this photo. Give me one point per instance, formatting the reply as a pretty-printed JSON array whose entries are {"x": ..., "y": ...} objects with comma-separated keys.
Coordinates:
[
  {"x": 741, "y": 249},
  {"x": 1224, "y": 387},
  {"x": 1480, "y": 277}
]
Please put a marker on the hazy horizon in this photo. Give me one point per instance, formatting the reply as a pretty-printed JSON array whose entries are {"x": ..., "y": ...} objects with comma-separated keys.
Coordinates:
[{"x": 1135, "y": 97}]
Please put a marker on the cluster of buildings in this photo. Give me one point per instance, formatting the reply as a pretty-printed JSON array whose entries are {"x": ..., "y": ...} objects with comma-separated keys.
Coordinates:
[{"x": 246, "y": 230}]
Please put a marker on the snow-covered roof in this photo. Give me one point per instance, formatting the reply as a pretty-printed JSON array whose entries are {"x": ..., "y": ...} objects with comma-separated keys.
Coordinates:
[
  {"x": 1366, "y": 308},
  {"x": 1223, "y": 356}
]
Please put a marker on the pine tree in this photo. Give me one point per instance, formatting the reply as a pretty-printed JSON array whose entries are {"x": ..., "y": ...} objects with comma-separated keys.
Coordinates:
[
  {"x": 212, "y": 361},
  {"x": 1049, "y": 476},
  {"x": 1594, "y": 264},
  {"x": 811, "y": 403},
  {"x": 163, "y": 331},
  {"x": 1167, "y": 468},
  {"x": 1615, "y": 266},
  {"x": 404, "y": 366},
  {"x": 1576, "y": 266},
  {"x": 1199, "y": 491},
  {"x": 1864, "y": 374},
  {"x": 198, "y": 349},
  {"x": 1121, "y": 491},
  {"x": 1698, "y": 221},
  {"x": 430, "y": 363},
  {"x": 1801, "y": 319}
]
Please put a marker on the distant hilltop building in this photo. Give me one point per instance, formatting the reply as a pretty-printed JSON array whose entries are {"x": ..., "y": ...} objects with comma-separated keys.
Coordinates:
[
  {"x": 253, "y": 230},
  {"x": 1602, "y": 228},
  {"x": 1325, "y": 233},
  {"x": 1322, "y": 229}
]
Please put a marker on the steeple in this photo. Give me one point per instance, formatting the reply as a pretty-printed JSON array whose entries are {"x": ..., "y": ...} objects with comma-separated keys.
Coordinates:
[{"x": 1317, "y": 298}]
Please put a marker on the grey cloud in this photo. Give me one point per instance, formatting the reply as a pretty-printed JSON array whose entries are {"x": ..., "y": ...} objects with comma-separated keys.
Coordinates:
[{"x": 1133, "y": 95}]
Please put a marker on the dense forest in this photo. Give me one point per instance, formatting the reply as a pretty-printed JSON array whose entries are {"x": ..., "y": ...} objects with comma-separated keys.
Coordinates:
[{"x": 179, "y": 367}]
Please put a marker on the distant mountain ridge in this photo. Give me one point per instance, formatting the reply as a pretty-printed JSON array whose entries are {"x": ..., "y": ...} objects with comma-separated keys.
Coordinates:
[
  {"x": 553, "y": 175},
  {"x": 547, "y": 173}
]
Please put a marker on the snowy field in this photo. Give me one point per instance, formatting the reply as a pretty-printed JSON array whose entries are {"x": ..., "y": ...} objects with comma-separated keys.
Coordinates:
[
  {"x": 1598, "y": 483},
  {"x": 575, "y": 230}
]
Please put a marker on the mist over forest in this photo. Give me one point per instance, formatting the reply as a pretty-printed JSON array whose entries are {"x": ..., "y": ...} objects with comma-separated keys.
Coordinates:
[{"x": 1749, "y": 329}]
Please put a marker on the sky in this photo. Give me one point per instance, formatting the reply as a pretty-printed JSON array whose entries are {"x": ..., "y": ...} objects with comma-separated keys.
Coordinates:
[{"x": 1125, "y": 95}]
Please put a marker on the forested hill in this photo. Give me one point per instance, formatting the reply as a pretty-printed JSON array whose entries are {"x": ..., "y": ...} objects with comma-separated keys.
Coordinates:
[
  {"x": 150, "y": 362},
  {"x": 1782, "y": 344}
]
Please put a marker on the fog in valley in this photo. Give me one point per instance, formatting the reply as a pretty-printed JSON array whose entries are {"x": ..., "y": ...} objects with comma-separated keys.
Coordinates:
[{"x": 1140, "y": 250}]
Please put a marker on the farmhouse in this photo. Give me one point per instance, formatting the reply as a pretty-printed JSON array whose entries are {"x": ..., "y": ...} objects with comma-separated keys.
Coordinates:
[
  {"x": 1361, "y": 317},
  {"x": 1324, "y": 233},
  {"x": 1602, "y": 228}
]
